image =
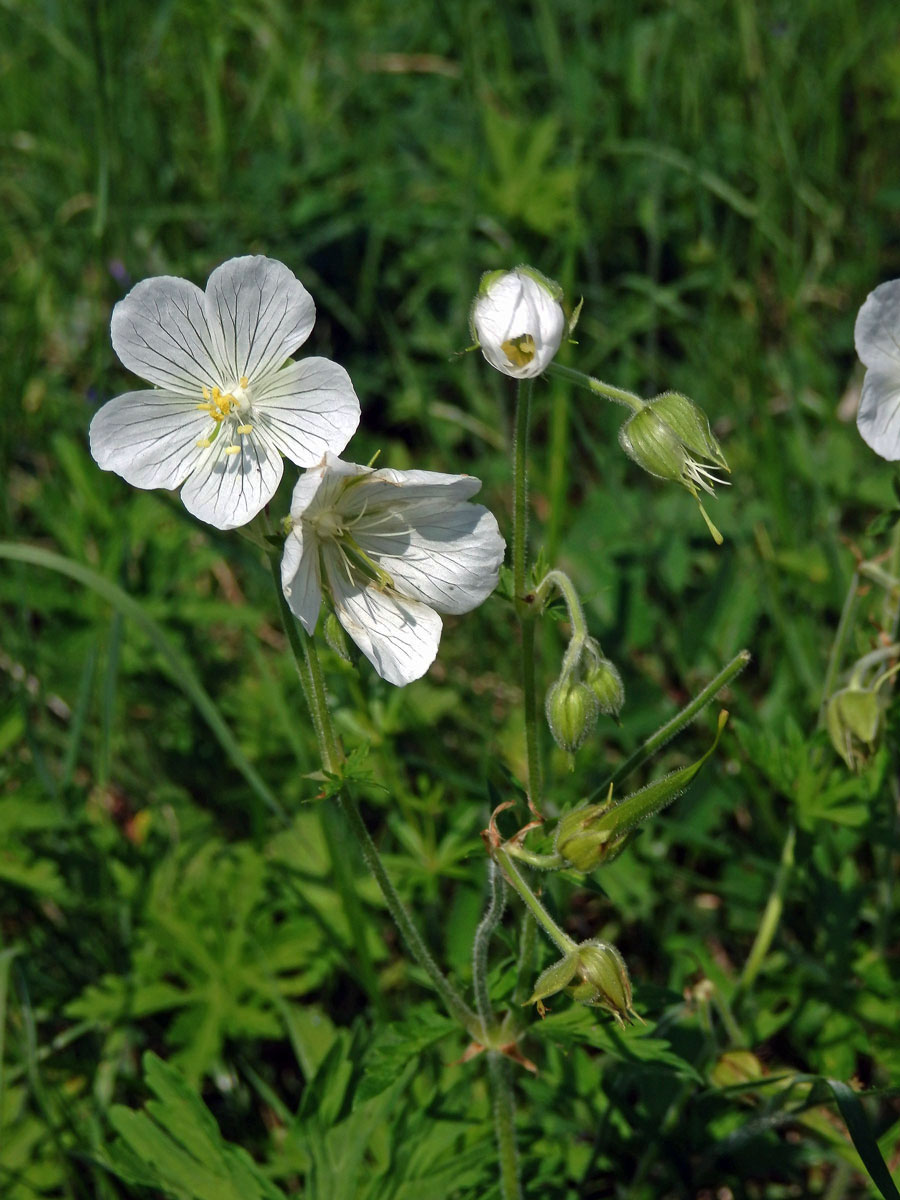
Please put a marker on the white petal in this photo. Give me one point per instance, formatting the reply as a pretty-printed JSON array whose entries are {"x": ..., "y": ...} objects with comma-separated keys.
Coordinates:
[
  {"x": 877, "y": 331},
  {"x": 259, "y": 313},
  {"x": 426, "y": 490},
  {"x": 515, "y": 305},
  {"x": 300, "y": 579},
  {"x": 160, "y": 332},
  {"x": 227, "y": 490},
  {"x": 308, "y": 408},
  {"x": 149, "y": 438},
  {"x": 319, "y": 487},
  {"x": 878, "y": 419},
  {"x": 448, "y": 559},
  {"x": 399, "y": 637}
]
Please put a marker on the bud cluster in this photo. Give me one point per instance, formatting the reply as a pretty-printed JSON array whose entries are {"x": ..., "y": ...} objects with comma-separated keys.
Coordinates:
[{"x": 588, "y": 685}]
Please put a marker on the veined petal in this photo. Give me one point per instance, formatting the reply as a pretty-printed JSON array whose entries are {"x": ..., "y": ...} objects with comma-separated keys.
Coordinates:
[
  {"x": 878, "y": 419},
  {"x": 449, "y": 559},
  {"x": 419, "y": 491},
  {"x": 320, "y": 486},
  {"x": 877, "y": 331},
  {"x": 259, "y": 313},
  {"x": 160, "y": 332},
  {"x": 308, "y": 408},
  {"x": 399, "y": 637},
  {"x": 300, "y": 580},
  {"x": 149, "y": 437},
  {"x": 227, "y": 490}
]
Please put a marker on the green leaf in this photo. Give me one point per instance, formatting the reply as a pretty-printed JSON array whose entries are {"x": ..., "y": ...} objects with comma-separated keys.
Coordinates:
[
  {"x": 175, "y": 1145},
  {"x": 863, "y": 1138},
  {"x": 398, "y": 1044}
]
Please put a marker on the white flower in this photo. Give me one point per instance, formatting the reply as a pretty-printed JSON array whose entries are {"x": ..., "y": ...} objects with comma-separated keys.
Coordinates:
[
  {"x": 518, "y": 321},
  {"x": 877, "y": 336},
  {"x": 395, "y": 548},
  {"x": 228, "y": 402}
]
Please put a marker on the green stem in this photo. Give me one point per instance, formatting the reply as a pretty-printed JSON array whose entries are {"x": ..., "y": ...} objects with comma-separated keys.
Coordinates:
[
  {"x": 564, "y": 585},
  {"x": 453, "y": 1002},
  {"x": 890, "y": 618},
  {"x": 505, "y": 1126},
  {"x": 677, "y": 723},
  {"x": 486, "y": 927},
  {"x": 540, "y": 914},
  {"x": 771, "y": 915},
  {"x": 525, "y": 607},
  {"x": 310, "y": 671},
  {"x": 597, "y": 386},
  {"x": 546, "y": 862},
  {"x": 525, "y": 965}
]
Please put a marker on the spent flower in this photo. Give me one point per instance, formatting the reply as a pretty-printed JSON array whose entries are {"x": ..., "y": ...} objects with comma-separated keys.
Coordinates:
[
  {"x": 670, "y": 437},
  {"x": 227, "y": 401},
  {"x": 518, "y": 321},
  {"x": 393, "y": 549}
]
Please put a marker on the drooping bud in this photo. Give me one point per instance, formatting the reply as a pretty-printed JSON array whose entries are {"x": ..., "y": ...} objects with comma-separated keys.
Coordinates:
[
  {"x": 853, "y": 720},
  {"x": 604, "y": 980},
  {"x": 670, "y": 438},
  {"x": 518, "y": 321},
  {"x": 605, "y": 682},
  {"x": 571, "y": 709}
]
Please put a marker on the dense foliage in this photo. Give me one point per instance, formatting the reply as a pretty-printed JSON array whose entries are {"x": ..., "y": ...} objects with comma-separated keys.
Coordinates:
[{"x": 201, "y": 993}]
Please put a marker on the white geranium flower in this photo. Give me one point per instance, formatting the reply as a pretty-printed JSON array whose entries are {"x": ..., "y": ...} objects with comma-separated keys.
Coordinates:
[
  {"x": 877, "y": 336},
  {"x": 227, "y": 402},
  {"x": 393, "y": 548},
  {"x": 518, "y": 321}
]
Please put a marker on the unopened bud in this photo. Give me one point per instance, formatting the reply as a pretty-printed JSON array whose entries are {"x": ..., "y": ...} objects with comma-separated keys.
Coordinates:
[
  {"x": 583, "y": 843},
  {"x": 605, "y": 682},
  {"x": 604, "y": 980},
  {"x": 518, "y": 321},
  {"x": 571, "y": 713},
  {"x": 735, "y": 1067},
  {"x": 853, "y": 720}
]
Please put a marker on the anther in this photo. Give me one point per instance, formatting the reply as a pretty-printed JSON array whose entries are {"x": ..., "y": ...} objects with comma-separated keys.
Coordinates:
[
  {"x": 245, "y": 428},
  {"x": 233, "y": 450}
]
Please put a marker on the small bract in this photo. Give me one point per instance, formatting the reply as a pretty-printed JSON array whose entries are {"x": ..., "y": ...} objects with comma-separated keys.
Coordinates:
[
  {"x": 877, "y": 337},
  {"x": 518, "y": 321},
  {"x": 227, "y": 401},
  {"x": 393, "y": 549}
]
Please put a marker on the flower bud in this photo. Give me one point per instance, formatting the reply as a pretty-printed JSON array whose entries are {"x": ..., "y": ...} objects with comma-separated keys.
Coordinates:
[
  {"x": 605, "y": 682},
  {"x": 604, "y": 980},
  {"x": 571, "y": 713},
  {"x": 853, "y": 718},
  {"x": 585, "y": 845},
  {"x": 518, "y": 321}
]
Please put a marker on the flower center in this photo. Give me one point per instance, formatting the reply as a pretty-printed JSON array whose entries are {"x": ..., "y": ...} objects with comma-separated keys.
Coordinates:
[
  {"x": 519, "y": 350},
  {"x": 224, "y": 405}
]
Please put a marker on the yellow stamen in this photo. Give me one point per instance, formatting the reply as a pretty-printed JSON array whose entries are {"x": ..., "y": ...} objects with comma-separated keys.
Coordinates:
[
  {"x": 245, "y": 428},
  {"x": 205, "y": 391},
  {"x": 244, "y": 381},
  {"x": 204, "y": 442},
  {"x": 233, "y": 450}
]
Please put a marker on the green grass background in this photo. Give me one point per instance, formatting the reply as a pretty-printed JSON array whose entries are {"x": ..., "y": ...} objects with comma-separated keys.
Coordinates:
[{"x": 720, "y": 182}]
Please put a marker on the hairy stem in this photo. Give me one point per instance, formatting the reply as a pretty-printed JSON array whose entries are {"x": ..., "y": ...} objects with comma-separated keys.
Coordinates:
[
  {"x": 597, "y": 386},
  {"x": 486, "y": 927},
  {"x": 504, "y": 1126},
  {"x": 525, "y": 608},
  {"x": 537, "y": 910}
]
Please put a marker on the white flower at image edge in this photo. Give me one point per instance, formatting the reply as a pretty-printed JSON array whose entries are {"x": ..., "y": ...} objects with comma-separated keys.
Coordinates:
[
  {"x": 394, "y": 549},
  {"x": 227, "y": 401},
  {"x": 877, "y": 337},
  {"x": 518, "y": 321}
]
